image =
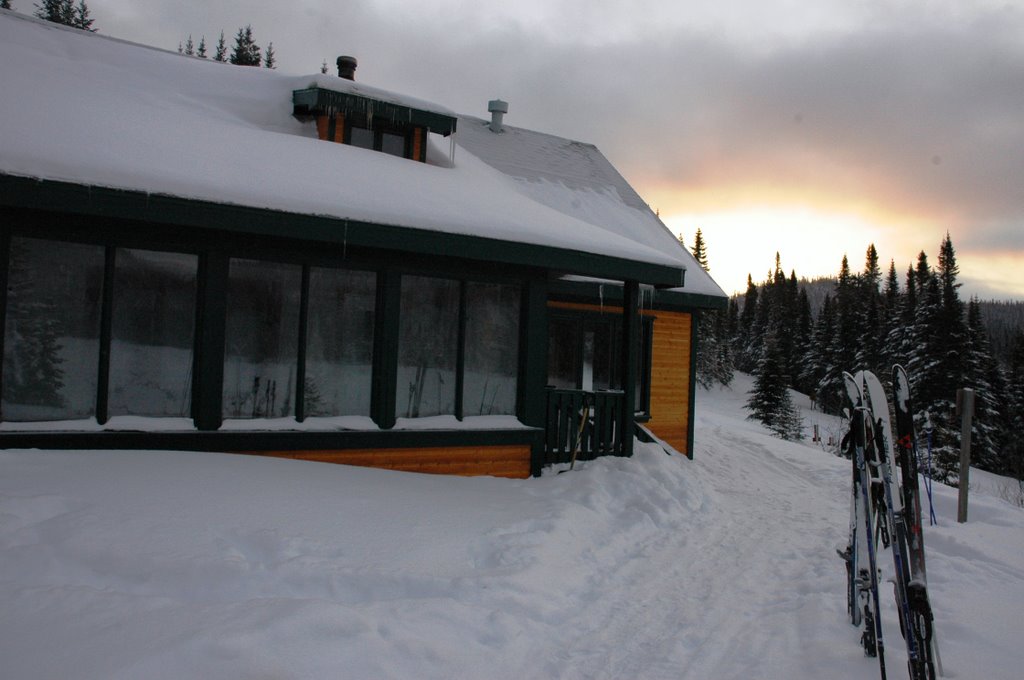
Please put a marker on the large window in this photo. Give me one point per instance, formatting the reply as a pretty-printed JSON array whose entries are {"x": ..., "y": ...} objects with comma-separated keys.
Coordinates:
[
  {"x": 427, "y": 347},
  {"x": 263, "y": 350},
  {"x": 52, "y": 330},
  {"x": 152, "y": 333},
  {"x": 437, "y": 317},
  {"x": 492, "y": 349},
  {"x": 56, "y": 349},
  {"x": 261, "y": 339},
  {"x": 339, "y": 349}
]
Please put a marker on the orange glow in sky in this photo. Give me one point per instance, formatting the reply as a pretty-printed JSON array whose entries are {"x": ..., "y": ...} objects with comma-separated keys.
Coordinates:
[{"x": 744, "y": 227}]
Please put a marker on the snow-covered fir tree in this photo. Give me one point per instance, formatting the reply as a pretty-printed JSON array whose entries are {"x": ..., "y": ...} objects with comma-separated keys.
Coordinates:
[
  {"x": 984, "y": 375},
  {"x": 769, "y": 401},
  {"x": 269, "y": 58},
  {"x": 201, "y": 50},
  {"x": 190, "y": 47},
  {"x": 714, "y": 355}
]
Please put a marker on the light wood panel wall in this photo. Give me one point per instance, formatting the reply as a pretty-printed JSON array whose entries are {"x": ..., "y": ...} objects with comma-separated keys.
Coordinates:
[{"x": 495, "y": 461}]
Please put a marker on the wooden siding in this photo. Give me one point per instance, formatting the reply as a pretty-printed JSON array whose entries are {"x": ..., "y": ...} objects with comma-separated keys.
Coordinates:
[
  {"x": 496, "y": 461},
  {"x": 670, "y": 370},
  {"x": 323, "y": 126},
  {"x": 670, "y": 378},
  {"x": 417, "y": 144}
]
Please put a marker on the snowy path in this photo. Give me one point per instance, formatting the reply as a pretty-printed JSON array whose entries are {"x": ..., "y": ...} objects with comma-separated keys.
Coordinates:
[{"x": 123, "y": 565}]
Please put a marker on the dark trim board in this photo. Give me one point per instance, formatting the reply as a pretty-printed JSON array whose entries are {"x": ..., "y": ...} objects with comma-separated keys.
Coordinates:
[
  {"x": 157, "y": 209},
  {"x": 277, "y": 440},
  {"x": 610, "y": 293}
]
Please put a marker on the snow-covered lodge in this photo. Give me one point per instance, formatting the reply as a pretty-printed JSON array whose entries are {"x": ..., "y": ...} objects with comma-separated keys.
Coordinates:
[{"x": 202, "y": 256}]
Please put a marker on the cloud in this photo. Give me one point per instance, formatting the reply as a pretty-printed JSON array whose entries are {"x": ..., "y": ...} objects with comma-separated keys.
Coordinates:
[{"x": 886, "y": 107}]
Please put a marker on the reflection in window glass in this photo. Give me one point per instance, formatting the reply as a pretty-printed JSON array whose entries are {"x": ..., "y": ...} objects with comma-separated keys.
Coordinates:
[
  {"x": 563, "y": 354},
  {"x": 598, "y": 355},
  {"x": 153, "y": 323},
  {"x": 52, "y": 330},
  {"x": 427, "y": 347},
  {"x": 361, "y": 137},
  {"x": 492, "y": 349},
  {"x": 339, "y": 354},
  {"x": 392, "y": 144},
  {"x": 261, "y": 349}
]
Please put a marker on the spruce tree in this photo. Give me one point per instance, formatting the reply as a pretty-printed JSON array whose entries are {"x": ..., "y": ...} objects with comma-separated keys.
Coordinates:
[
  {"x": 66, "y": 12},
  {"x": 769, "y": 402},
  {"x": 714, "y": 358},
  {"x": 201, "y": 50},
  {"x": 222, "y": 49},
  {"x": 190, "y": 48},
  {"x": 985, "y": 377},
  {"x": 1013, "y": 442},
  {"x": 269, "y": 59},
  {"x": 245, "y": 52},
  {"x": 57, "y": 11},
  {"x": 82, "y": 19},
  {"x": 744, "y": 359},
  {"x": 699, "y": 251}
]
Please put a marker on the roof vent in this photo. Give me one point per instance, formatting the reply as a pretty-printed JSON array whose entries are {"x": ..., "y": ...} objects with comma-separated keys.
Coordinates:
[
  {"x": 497, "y": 109},
  {"x": 347, "y": 68}
]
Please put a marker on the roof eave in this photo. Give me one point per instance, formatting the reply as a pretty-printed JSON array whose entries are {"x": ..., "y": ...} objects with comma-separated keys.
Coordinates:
[{"x": 68, "y": 197}]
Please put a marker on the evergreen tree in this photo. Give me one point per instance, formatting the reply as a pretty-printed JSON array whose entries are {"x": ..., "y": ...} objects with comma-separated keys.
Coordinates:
[
  {"x": 745, "y": 360},
  {"x": 714, "y": 358},
  {"x": 57, "y": 11},
  {"x": 699, "y": 251},
  {"x": 245, "y": 52},
  {"x": 985, "y": 377},
  {"x": 222, "y": 49},
  {"x": 269, "y": 60},
  {"x": 201, "y": 50},
  {"x": 872, "y": 339},
  {"x": 804, "y": 337},
  {"x": 82, "y": 19},
  {"x": 769, "y": 401},
  {"x": 1013, "y": 442},
  {"x": 323, "y": 67},
  {"x": 66, "y": 12},
  {"x": 190, "y": 48}
]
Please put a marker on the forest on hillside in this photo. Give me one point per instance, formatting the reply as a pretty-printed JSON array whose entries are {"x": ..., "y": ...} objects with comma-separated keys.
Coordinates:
[{"x": 802, "y": 335}]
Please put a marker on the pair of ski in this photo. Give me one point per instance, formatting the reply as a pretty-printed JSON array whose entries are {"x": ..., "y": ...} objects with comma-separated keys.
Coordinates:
[{"x": 870, "y": 444}]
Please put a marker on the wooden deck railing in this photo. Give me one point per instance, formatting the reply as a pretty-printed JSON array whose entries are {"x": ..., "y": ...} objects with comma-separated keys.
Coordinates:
[{"x": 600, "y": 433}]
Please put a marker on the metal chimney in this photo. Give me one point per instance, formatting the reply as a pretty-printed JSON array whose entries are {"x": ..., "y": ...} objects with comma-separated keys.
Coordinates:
[
  {"x": 347, "y": 68},
  {"x": 497, "y": 109}
]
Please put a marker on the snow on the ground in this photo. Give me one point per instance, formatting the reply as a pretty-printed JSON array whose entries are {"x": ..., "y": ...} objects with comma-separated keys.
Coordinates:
[{"x": 199, "y": 565}]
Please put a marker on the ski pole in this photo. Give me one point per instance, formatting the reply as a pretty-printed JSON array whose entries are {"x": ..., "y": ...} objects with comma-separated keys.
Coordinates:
[{"x": 928, "y": 475}]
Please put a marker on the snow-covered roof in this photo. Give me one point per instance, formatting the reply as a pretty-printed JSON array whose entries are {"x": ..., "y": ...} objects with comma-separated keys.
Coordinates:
[
  {"x": 91, "y": 110},
  {"x": 577, "y": 180}
]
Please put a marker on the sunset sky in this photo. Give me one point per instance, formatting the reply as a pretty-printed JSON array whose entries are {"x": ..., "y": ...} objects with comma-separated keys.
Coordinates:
[{"x": 811, "y": 128}]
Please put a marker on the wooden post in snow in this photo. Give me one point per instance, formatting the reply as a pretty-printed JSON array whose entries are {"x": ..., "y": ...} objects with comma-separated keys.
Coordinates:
[{"x": 965, "y": 407}]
